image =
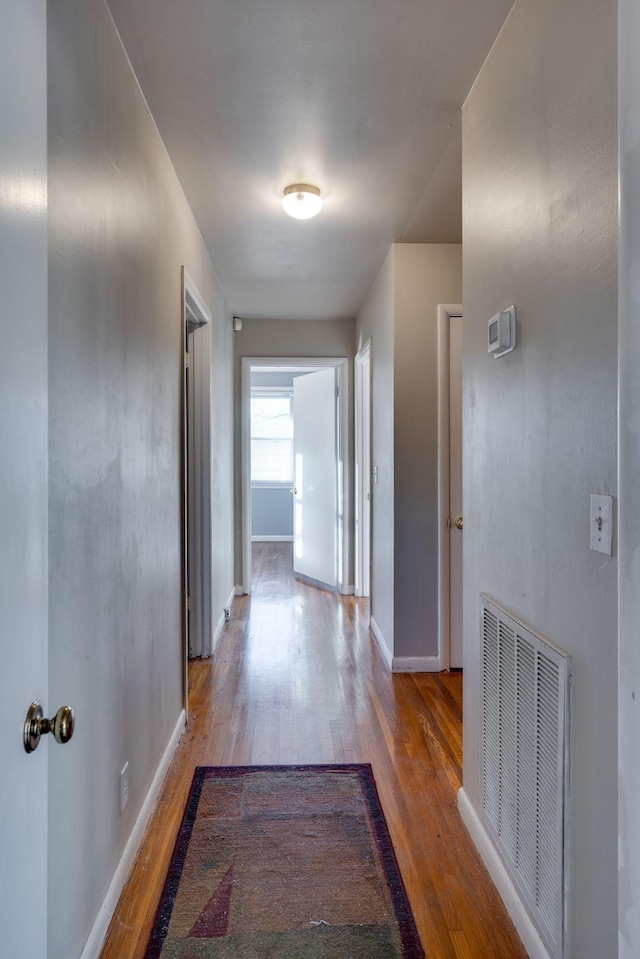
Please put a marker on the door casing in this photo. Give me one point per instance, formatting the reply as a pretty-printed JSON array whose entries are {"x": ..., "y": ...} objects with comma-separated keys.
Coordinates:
[
  {"x": 363, "y": 419},
  {"x": 196, "y": 475},
  {"x": 445, "y": 312}
]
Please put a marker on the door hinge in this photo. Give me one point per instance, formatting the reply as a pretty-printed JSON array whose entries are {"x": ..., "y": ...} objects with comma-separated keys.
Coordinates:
[
  {"x": 187, "y": 360},
  {"x": 188, "y": 604}
]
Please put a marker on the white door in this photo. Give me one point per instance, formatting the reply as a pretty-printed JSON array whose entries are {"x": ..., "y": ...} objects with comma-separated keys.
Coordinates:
[
  {"x": 455, "y": 492},
  {"x": 23, "y": 476},
  {"x": 315, "y": 523},
  {"x": 363, "y": 470}
]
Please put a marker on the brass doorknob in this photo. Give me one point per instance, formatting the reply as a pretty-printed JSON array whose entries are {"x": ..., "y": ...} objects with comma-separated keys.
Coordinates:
[
  {"x": 35, "y": 726},
  {"x": 458, "y": 522}
]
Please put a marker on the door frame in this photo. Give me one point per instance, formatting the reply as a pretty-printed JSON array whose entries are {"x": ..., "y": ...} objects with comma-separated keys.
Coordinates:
[
  {"x": 296, "y": 364},
  {"x": 362, "y": 506},
  {"x": 196, "y": 481},
  {"x": 445, "y": 312}
]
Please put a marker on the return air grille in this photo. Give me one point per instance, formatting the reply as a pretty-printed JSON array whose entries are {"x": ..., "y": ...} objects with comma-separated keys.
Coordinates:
[{"x": 525, "y": 699}]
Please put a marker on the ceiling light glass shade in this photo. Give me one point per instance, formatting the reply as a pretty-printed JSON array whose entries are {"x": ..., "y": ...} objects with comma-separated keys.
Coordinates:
[{"x": 301, "y": 201}]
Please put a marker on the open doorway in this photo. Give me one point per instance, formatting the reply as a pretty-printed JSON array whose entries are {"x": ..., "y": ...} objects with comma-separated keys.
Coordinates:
[
  {"x": 294, "y": 463},
  {"x": 196, "y": 475}
]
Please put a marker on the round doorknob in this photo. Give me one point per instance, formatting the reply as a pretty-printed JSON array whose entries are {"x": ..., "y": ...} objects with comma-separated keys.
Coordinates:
[
  {"x": 458, "y": 522},
  {"x": 64, "y": 723},
  {"x": 35, "y": 726}
]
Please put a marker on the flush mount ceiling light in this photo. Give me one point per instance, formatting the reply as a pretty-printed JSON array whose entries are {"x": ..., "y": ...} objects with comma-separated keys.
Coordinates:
[{"x": 301, "y": 200}]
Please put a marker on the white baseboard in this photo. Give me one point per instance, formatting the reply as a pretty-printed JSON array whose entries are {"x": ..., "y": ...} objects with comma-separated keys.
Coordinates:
[
  {"x": 217, "y": 631},
  {"x": 239, "y": 589},
  {"x": 382, "y": 643},
  {"x": 347, "y": 591},
  {"x": 415, "y": 664},
  {"x": 222, "y": 620},
  {"x": 98, "y": 933},
  {"x": 515, "y": 907},
  {"x": 272, "y": 539}
]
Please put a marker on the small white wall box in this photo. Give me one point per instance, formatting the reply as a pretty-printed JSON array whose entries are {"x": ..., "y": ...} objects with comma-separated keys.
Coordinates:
[{"x": 502, "y": 333}]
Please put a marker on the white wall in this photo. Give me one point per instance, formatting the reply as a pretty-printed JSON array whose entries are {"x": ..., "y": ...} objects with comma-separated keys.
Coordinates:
[
  {"x": 273, "y": 338},
  {"x": 539, "y": 215},
  {"x": 629, "y": 464},
  {"x": 222, "y": 443},
  {"x": 119, "y": 232},
  {"x": 375, "y": 319}
]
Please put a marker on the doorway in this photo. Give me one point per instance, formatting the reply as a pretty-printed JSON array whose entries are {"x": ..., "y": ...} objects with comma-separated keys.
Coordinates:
[
  {"x": 325, "y": 386},
  {"x": 451, "y": 522},
  {"x": 196, "y": 470}
]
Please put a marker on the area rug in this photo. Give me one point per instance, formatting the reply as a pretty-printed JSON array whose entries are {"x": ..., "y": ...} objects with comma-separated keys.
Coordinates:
[{"x": 284, "y": 862}]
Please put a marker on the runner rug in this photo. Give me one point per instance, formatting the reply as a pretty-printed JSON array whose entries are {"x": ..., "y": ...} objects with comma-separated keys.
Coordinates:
[{"x": 284, "y": 862}]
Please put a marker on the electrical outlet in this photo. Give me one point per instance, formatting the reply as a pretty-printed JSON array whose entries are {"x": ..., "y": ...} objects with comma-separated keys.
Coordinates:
[
  {"x": 124, "y": 786},
  {"x": 227, "y": 613}
]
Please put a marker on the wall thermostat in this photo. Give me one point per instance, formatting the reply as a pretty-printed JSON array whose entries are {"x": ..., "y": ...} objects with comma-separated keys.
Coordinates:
[{"x": 502, "y": 332}]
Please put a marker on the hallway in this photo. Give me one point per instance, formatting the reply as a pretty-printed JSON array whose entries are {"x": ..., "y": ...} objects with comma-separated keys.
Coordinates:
[{"x": 297, "y": 678}]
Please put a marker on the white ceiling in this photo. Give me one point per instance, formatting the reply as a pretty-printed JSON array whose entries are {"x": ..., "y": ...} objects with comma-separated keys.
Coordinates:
[{"x": 359, "y": 97}]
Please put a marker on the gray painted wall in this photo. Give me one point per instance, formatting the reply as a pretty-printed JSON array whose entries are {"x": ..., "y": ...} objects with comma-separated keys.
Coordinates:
[
  {"x": 629, "y": 515},
  {"x": 400, "y": 315},
  {"x": 284, "y": 380},
  {"x": 426, "y": 274},
  {"x": 539, "y": 214},
  {"x": 289, "y": 338},
  {"x": 119, "y": 231},
  {"x": 271, "y": 511}
]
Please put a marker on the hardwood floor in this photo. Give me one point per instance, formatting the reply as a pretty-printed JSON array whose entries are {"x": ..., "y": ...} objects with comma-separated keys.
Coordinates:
[{"x": 297, "y": 678}]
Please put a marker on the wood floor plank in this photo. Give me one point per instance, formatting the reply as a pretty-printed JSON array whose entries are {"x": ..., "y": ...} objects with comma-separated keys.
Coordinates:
[{"x": 298, "y": 678}]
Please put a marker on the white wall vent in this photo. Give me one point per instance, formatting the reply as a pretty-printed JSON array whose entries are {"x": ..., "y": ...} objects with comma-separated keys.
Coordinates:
[{"x": 525, "y": 753}]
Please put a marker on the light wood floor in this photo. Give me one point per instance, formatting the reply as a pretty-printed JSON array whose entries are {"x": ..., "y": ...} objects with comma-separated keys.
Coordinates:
[{"x": 297, "y": 678}]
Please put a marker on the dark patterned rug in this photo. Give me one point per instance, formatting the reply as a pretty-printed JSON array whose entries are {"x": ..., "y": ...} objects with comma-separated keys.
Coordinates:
[{"x": 284, "y": 862}]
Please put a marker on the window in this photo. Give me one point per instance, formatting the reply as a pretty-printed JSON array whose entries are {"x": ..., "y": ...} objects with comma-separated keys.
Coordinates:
[{"x": 271, "y": 437}]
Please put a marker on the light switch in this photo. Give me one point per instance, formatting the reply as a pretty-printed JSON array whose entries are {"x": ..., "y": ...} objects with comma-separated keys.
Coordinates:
[{"x": 601, "y": 523}]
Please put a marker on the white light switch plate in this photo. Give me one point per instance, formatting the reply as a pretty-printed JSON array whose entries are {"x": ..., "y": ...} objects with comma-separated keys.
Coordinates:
[{"x": 601, "y": 523}]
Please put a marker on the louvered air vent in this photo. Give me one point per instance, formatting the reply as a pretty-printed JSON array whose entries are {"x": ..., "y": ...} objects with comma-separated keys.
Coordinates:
[{"x": 525, "y": 700}]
